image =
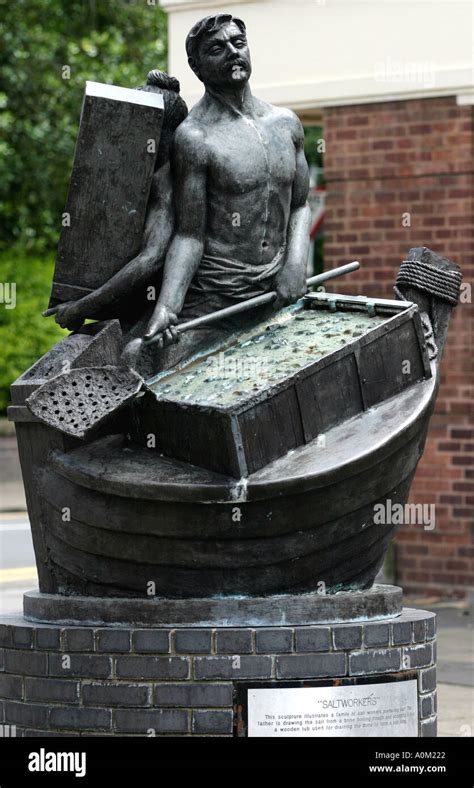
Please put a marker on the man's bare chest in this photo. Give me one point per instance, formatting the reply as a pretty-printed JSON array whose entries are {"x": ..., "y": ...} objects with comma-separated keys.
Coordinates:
[{"x": 246, "y": 156}]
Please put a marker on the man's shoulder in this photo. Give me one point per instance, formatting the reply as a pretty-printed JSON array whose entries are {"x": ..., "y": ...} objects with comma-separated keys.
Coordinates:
[
  {"x": 189, "y": 144},
  {"x": 189, "y": 133},
  {"x": 279, "y": 114}
]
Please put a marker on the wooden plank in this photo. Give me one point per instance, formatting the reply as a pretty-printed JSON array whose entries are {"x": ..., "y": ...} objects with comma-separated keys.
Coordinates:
[
  {"x": 110, "y": 183},
  {"x": 135, "y": 515},
  {"x": 391, "y": 364},
  {"x": 329, "y": 396},
  {"x": 270, "y": 429},
  {"x": 35, "y": 441},
  {"x": 189, "y": 433},
  {"x": 354, "y": 558}
]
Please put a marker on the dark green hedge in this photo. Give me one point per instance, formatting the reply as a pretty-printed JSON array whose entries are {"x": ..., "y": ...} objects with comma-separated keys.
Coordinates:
[
  {"x": 24, "y": 334},
  {"x": 116, "y": 42}
]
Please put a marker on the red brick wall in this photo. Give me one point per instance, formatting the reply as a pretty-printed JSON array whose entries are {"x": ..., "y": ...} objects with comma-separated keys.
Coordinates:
[{"x": 382, "y": 161}]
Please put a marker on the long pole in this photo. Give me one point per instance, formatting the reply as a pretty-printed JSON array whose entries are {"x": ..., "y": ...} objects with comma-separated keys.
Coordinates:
[{"x": 261, "y": 300}]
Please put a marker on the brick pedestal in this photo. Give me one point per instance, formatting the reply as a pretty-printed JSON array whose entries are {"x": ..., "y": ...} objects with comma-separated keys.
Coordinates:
[{"x": 128, "y": 681}]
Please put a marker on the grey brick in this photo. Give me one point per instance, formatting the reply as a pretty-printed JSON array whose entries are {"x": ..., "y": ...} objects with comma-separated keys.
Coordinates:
[
  {"x": 6, "y": 635},
  {"x": 2, "y": 659},
  {"x": 234, "y": 641},
  {"x": 56, "y": 734},
  {"x": 273, "y": 641},
  {"x": 435, "y": 702},
  {"x": 427, "y": 680},
  {"x": 313, "y": 639},
  {"x": 11, "y": 686},
  {"x": 374, "y": 661},
  {"x": 311, "y": 666},
  {"x": 212, "y": 721},
  {"x": 347, "y": 637},
  {"x": 192, "y": 695},
  {"x": 31, "y": 663},
  {"x": 48, "y": 638},
  {"x": 235, "y": 667},
  {"x": 98, "y": 694},
  {"x": 419, "y": 631},
  {"x": 10, "y": 732},
  {"x": 430, "y": 627},
  {"x": 193, "y": 641},
  {"x": 426, "y": 706},
  {"x": 152, "y": 667},
  {"x": 402, "y": 632},
  {"x": 417, "y": 656},
  {"x": 51, "y": 690},
  {"x": 113, "y": 640},
  {"x": 377, "y": 634},
  {"x": 78, "y": 639},
  {"x": 22, "y": 637},
  {"x": 82, "y": 665},
  {"x": 27, "y": 714},
  {"x": 434, "y": 645},
  {"x": 156, "y": 641},
  {"x": 429, "y": 728},
  {"x": 96, "y": 735},
  {"x": 159, "y": 720},
  {"x": 80, "y": 718}
]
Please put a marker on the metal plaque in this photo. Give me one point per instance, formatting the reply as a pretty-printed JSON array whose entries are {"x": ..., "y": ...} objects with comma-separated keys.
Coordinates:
[{"x": 382, "y": 709}]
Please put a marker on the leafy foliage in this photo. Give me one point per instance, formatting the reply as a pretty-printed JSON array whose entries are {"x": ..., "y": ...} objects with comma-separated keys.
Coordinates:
[
  {"x": 24, "y": 334},
  {"x": 313, "y": 136},
  {"x": 40, "y": 99},
  {"x": 48, "y": 49}
]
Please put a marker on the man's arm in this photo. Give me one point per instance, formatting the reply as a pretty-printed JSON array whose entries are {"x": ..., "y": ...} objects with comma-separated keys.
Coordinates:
[
  {"x": 189, "y": 166},
  {"x": 291, "y": 282},
  {"x": 137, "y": 272}
]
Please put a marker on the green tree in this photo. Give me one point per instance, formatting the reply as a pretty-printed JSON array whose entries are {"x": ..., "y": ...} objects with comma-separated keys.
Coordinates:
[{"x": 48, "y": 48}]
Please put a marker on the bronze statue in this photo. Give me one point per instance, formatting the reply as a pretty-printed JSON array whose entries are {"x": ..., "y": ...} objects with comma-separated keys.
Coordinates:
[
  {"x": 240, "y": 183},
  {"x": 305, "y": 452}
]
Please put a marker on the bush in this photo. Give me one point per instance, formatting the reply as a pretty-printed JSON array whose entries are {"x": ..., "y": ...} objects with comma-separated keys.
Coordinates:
[
  {"x": 24, "y": 333},
  {"x": 48, "y": 49}
]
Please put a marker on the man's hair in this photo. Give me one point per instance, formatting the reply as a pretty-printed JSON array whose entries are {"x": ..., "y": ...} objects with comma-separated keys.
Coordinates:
[
  {"x": 175, "y": 109},
  {"x": 206, "y": 26}
]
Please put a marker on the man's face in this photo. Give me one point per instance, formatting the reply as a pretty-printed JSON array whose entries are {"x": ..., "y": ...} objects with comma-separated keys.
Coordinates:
[{"x": 224, "y": 57}]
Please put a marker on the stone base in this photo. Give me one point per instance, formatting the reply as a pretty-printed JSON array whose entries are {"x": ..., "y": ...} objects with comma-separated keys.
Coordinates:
[
  {"x": 130, "y": 680},
  {"x": 379, "y": 602}
]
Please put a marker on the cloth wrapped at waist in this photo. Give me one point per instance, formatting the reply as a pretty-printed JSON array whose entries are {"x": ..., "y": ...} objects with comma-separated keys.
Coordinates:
[{"x": 234, "y": 279}]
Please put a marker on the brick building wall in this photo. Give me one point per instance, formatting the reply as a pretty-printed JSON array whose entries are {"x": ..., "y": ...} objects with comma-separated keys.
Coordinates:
[{"x": 399, "y": 175}]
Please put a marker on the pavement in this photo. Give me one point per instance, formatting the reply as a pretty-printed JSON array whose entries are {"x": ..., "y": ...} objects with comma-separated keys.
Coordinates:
[
  {"x": 455, "y": 619},
  {"x": 455, "y": 668},
  {"x": 12, "y": 496}
]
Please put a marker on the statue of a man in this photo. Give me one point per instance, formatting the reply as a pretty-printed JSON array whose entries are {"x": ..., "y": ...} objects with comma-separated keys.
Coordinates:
[
  {"x": 240, "y": 181},
  {"x": 232, "y": 196}
]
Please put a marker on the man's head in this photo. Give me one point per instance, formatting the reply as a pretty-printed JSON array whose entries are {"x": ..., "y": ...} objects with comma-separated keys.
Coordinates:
[
  {"x": 175, "y": 110},
  {"x": 218, "y": 52}
]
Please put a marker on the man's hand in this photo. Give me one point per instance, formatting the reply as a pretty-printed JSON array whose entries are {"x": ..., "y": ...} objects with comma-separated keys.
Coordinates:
[
  {"x": 290, "y": 285},
  {"x": 68, "y": 315},
  {"x": 162, "y": 323}
]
